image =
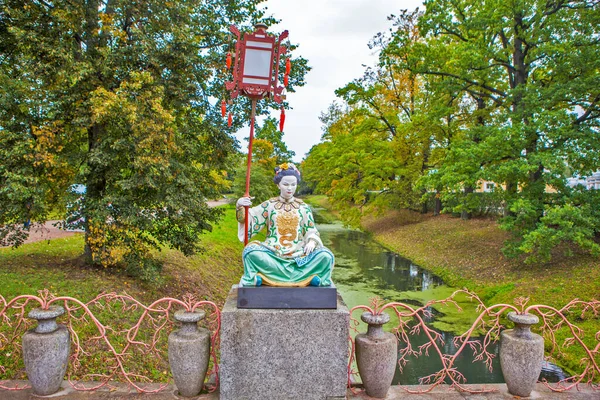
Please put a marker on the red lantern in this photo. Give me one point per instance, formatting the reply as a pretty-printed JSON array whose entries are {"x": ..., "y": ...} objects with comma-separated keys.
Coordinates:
[
  {"x": 281, "y": 119},
  {"x": 288, "y": 66},
  {"x": 257, "y": 61},
  {"x": 255, "y": 74},
  {"x": 230, "y": 119},
  {"x": 228, "y": 60},
  {"x": 223, "y": 108}
]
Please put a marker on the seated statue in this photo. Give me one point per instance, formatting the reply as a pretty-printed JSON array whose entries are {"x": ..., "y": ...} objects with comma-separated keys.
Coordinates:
[{"x": 292, "y": 254}]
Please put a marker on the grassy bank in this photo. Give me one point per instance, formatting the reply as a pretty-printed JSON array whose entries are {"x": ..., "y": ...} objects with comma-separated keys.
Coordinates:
[
  {"x": 57, "y": 265},
  {"x": 468, "y": 254}
]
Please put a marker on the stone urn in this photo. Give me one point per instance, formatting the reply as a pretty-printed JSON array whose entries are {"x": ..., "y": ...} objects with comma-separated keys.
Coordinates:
[
  {"x": 189, "y": 352},
  {"x": 376, "y": 355},
  {"x": 521, "y": 354},
  {"x": 46, "y": 351}
]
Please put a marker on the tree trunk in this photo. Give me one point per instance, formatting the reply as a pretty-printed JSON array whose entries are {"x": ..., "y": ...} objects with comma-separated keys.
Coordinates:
[
  {"x": 95, "y": 177},
  {"x": 465, "y": 213},
  {"x": 437, "y": 208},
  {"x": 95, "y": 186},
  {"x": 511, "y": 190},
  {"x": 424, "y": 207}
]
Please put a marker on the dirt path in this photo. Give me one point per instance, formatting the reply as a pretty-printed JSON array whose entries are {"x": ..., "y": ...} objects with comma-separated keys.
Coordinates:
[{"x": 48, "y": 231}]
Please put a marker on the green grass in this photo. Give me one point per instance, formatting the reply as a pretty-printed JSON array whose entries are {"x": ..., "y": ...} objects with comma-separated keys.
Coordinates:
[
  {"x": 58, "y": 265},
  {"x": 214, "y": 270}
]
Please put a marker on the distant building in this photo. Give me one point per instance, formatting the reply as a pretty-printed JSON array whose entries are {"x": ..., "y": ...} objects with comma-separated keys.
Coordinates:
[
  {"x": 590, "y": 183},
  {"x": 593, "y": 182},
  {"x": 489, "y": 186},
  {"x": 572, "y": 182}
]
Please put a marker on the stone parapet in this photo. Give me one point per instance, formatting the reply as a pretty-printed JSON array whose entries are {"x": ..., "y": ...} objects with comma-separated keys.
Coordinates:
[
  {"x": 119, "y": 390},
  {"x": 283, "y": 354}
]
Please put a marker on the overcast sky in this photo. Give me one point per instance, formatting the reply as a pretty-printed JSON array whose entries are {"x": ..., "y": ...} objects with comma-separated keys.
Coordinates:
[{"x": 333, "y": 36}]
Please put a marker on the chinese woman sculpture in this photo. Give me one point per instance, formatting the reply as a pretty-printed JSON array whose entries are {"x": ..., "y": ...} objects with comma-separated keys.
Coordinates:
[{"x": 292, "y": 254}]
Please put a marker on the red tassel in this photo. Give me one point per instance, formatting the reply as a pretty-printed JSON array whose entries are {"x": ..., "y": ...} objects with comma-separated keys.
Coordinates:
[
  {"x": 281, "y": 119},
  {"x": 230, "y": 119},
  {"x": 228, "y": 60},
  {"x": 285, "y": 80},
  {"x": 223, "y": 108},
  {"x": 288, "y": 66}
]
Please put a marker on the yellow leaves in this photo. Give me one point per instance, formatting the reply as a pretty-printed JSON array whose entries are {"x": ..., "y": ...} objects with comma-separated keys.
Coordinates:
[
  {"x": 220, "y": 179},
  {"x": 110, "y": 242},
  {"x": 106, "y": 19},
  {"x": 264, "y": 153},
  {"x": 103, "y": 102},
  {"x": 47, "y": 149},
  {"x": 136, "y": 108}
]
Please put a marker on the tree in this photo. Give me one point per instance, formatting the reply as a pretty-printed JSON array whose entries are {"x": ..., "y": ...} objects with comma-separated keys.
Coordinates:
[
  {"x": 269, "y": 150},
  {"x": 533, "y": 67},
  {"x": 354, "y": 165},
  {"x": 388, "y": 138},
  {"x": 115, "y": 94},
  {"x": 270, "y": 133},
  {"x": 468, "y": 92}
]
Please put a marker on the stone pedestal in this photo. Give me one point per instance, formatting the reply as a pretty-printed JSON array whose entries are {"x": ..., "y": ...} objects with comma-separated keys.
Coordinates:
[
  {"x": 320, "y": 297},
  {"x": 283, "y": 354}
]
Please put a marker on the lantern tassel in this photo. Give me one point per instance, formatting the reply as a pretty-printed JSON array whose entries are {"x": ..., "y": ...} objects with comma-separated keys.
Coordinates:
[
  {"x": 230, "y": 119},
  {"x": 223, "y": 108},
  {"x": 285, "y": 80},
  {"x": 281, "y": 119}
]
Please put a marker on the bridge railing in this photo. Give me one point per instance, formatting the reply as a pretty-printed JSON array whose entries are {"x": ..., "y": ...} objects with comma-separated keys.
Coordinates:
[
  {"x": 112, "y": 337},
  {"x": 483, "y": 333},
  {"x": 115, "y": 337}
]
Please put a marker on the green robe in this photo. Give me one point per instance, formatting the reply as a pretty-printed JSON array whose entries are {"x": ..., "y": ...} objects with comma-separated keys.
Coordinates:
[{"x": 280, "y": 259}]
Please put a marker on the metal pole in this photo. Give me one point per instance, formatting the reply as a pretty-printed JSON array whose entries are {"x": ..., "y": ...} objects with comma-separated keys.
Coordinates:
[{"x": 247, "y": 194}]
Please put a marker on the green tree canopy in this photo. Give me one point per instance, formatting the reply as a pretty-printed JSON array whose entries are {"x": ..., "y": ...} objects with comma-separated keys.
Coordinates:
[
  {"x": 531, "y": 70},
  {"x": 118, "y": 95},
  {"x": 470, "y": 92},
  {"x": 269, "y": 150},
  {"x": 270, "y": 132}
]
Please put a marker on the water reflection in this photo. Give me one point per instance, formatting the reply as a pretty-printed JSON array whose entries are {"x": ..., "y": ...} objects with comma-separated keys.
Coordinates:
[
  {"x": 378, "y": 266},
  {"x": 474, "y": 372},
  {"x": 365, "y": 269}
]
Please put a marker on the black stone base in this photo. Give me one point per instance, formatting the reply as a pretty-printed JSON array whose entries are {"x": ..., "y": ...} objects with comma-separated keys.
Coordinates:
[{"x": 310, "y": 297}]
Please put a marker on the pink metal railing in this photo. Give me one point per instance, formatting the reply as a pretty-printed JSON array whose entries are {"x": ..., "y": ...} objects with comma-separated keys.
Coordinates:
[
  {"x": 489, "y": 321},
  {"x": 145, "y": 334},
  {"x": 156, "y": 316}
]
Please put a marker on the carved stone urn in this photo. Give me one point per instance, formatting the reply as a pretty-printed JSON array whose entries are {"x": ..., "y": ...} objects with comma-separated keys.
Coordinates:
[
  {"x": 46, "y": 351},
  {"x": 189, "y": 352},
  {"x": 521, "y": 354},
  {"x": 376, "y": 355}
]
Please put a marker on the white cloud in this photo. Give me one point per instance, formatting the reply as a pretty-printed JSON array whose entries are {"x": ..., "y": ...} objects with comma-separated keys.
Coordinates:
[{"x": 333, "y": 36}]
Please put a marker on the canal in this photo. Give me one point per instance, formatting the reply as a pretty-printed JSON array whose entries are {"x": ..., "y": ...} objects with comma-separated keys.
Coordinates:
[{"x": 364, "y": 269}]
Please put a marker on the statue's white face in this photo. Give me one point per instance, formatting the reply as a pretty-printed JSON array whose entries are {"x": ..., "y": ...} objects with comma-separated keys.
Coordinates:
[{"x": 287, "y": 186}]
